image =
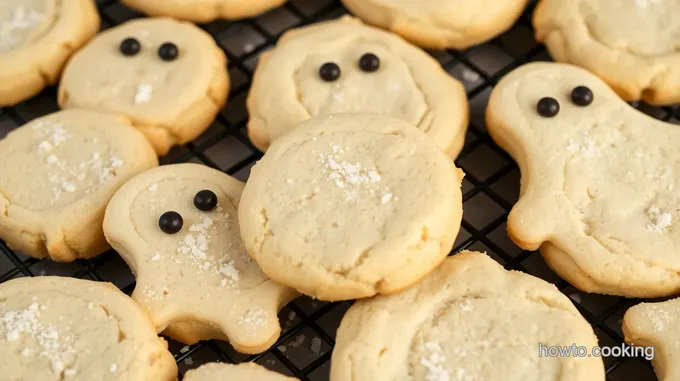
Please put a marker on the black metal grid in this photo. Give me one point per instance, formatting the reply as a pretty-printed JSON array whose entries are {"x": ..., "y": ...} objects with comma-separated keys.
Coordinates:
[{"x": 490, "y": 189}]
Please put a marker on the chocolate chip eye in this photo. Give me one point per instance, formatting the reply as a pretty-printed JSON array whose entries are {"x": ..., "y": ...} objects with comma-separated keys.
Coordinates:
[
  {"x": 168, "y": 51},
  {"x": 205, "y": 200},
  {"x": 369, "y": 63},
  {"x": 548, "y": 107},
  {"x": 329, "y": 72},
  {"x": 130, "y": 47},
  {"x": 170, "y": 222},
  {"x": 582, "y": 96}
]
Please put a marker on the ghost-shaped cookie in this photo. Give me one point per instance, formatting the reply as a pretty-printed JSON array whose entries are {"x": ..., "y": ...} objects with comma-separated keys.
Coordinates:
[
  {"x": 177, "y": 228},
  {"x": 58, "y": 173},
  {"x": 203, "y": 10},
  {"x": 36, "y": 39},
  {"x": 654, "y": 328},
  {"x": 344, "y": 66},
  {"x": 168, "y": 77},
  {"x": 599, "y": 192}
]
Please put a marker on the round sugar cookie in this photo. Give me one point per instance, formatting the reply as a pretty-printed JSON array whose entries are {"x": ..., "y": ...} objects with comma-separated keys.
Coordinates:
[
  {"x": 352, "y": 205},
  {"x": 631, "y": 44},
  {"x": 344, "y": 66},
  {"x": 56, "y": 329},
  {"x": 169, "y": 77},
  {"x": 246, "y": 371},
  {"x": 203, "y": 10},
  {"x": 37, "y": 37},
  {"x": 468, "y": 320},
  {"x": 58, "y": 173},
  {"x": 440, "y": 24},
  {"x": 177, "y": 228}
]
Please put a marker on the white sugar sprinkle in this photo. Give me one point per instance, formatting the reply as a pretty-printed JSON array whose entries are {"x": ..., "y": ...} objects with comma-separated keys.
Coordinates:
[
  {"x": 315, "y": 347},
  {"x": 253, "y": 318},
  {"x": 189, "y": 361},
  {"x": 660, "y": 221},
  {"x": 143, "y": 94},
  {"x": 386, "y": 198},
  {"x": 156, "y": 257},
  {"x": 184, "y": 349},
  {"x": 298, "y": 341},
  {"x": 113, "y": 368},
  {"x": 20, "y": 20},
  {"x": 434, "y": 363}
]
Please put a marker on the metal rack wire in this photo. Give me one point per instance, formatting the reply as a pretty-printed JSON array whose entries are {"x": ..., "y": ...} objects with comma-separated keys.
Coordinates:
[{"x": 490, "y": 189}]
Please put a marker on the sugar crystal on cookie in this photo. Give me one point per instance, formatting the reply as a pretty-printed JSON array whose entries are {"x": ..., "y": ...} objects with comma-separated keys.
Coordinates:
[{"x": 21, "y": 20}]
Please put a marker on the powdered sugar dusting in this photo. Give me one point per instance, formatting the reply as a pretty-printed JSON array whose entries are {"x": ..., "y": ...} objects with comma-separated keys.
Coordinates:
[
  {"x": 254, "y": 319},
  {"x": 659, "y": 221},
  {"x": 434, "y": 363},
  {"x": 143, "y": 93},
  {"x": 658, "y": 317},
  {"x": 21, "y": 19},
  {"x": 53, "y": 345}
]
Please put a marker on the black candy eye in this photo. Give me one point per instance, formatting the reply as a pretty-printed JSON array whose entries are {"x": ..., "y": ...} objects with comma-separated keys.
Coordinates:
[
  {"x": 329, "y": 72},
  {"x": 369, "y": 63},
  {"x": 205, "y": 200},
  {"x": 170, "y": 222},
  {"x": 130, "y": 46},
  {"x": 548, "y": 107},
  {"x": 582, "y": 96},
  {"x": 168, "y": 51}
]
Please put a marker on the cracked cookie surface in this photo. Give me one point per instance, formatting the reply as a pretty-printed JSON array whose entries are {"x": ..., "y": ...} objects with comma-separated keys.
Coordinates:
[
  {"x": 58, "y": 173},
  {"x": 631, "y": 44},
  {"x": 468, "y": 320},
  {"x": 599, "y": 181},
  {"x": 440, "y": 24},
  {"x": 37, "y": 37},
  {"x": 348, "y": 206},
  {"x": 656, "y": 325},
  {"x": 344, "y": 66},
  {"x": 245, "y": 371},
  {"x": 197, "y": 281},
  {"x": 169, "y": 77},
  {"x": 204, "y": 10},
  {"x": 54, "y": 329}
]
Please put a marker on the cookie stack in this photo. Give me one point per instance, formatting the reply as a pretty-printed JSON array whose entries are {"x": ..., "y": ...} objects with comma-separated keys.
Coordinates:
[{"x": 356, "y": 196}]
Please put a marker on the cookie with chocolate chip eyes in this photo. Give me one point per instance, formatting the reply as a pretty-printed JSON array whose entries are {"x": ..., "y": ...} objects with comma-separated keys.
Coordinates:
[
  {"x": 469, "y": 320},
  {"x": 349, "y": 206},
  {"x": 344, "y": 66},
  {"x": 168, "y": 77},
  {"x": 631, "y": 44},
  {"x": 59, "y": 328},
  {"x": 600, "y": 180},
  {"x": 58, "y": 173},
  {"x": 36, "y": 39},
  {"x": 246, "y": 371},
  {"x": 177, "y": 228},
  {"x": 203, "y": 10},
  {"x": 440, "y": 24}
]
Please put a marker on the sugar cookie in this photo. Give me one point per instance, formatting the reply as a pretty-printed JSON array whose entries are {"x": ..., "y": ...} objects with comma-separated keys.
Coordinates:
[
  {"x": 54, "y": 329},
  {"x": 657, "y": 326},
  {"x": 58, "y": 173},
  {"x": 177, "y": 228},
  {"x": 440, "y": 24},
  {"x": 631, "y": 44},
  {"x": 599, "y": 185},
  {"x": 36, "y": 39},
  {"x": 246, "y": 371},
  {"x": 344, "y": 66},
  {"x": 349, "y": 206},
  {"x": 169, "y": 77},
  {"x": 204, "y": 10},
  {"x": 468, "y": 320}
]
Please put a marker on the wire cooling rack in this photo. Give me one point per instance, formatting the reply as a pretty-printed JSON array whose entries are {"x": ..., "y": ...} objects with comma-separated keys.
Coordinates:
[{"x": 490, "y": 189}]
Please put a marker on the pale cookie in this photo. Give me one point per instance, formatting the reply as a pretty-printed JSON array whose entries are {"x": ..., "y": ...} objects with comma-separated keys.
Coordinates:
[
  {"x": 36, "y": 39},
  {"x": 204, "y": 10},
  {"x": 349, "y": 206},
  {"x": 58, "y": 173},
  {"x": 631, "y": 44},
  {"x": 56, "y": 329},
  {"x": 599, "y": 180},
  {"x": 657, "y": 326},
  {"x": 223, "y": 372},
  {"x": 468, "y": 320},
  {"x": 176, "y": 226},
  {"x": 344, "y": 66},
  {"x": 169, "y": 77},
  {"x": 441, "y": 24}
]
